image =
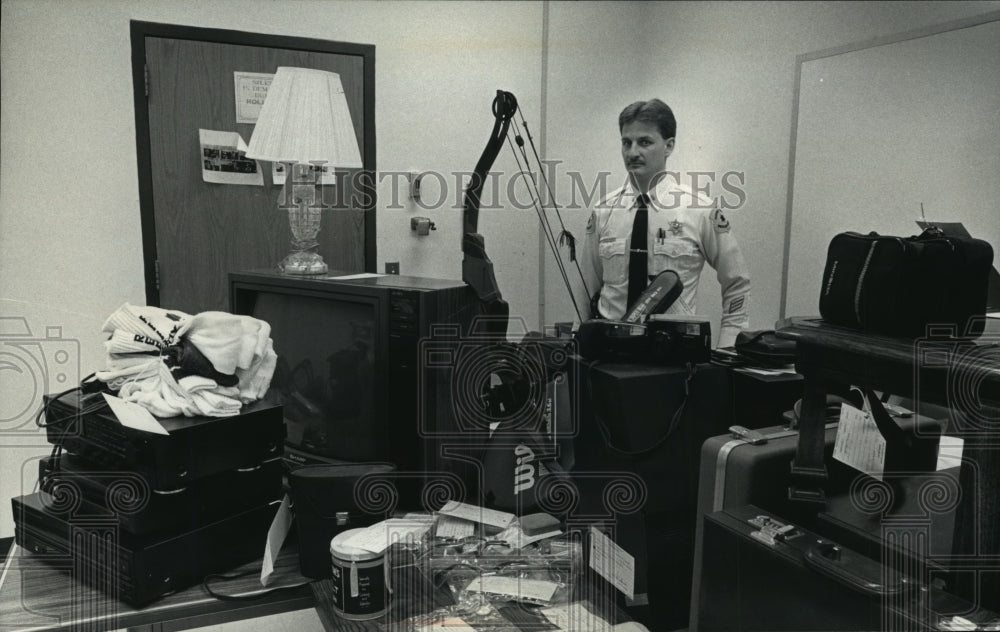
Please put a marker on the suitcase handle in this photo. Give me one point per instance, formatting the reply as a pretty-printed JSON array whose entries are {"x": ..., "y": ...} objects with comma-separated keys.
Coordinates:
[{"x": 855, "y": 571}]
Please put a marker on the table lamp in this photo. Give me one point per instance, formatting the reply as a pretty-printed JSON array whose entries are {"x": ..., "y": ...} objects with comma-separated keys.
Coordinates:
[{"x": 305, "y": 124}]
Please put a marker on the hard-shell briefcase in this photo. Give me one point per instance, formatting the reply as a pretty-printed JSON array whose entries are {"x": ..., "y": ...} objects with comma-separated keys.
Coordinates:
[
  {"x": 765, "y": 573},
  {"x": 741, "y": 468},
  {"x": 752, "y": 467}
]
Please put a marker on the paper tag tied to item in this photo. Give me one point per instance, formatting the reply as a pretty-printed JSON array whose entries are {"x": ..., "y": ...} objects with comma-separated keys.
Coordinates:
[
  {"x": 859, "y": 443},
  {"x": 612, "y": 562},
  {"x": 276, "y": 535},
  {"x": 133, "y": 415}
]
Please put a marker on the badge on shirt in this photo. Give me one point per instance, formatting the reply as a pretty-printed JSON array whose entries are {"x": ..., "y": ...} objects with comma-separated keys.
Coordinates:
[
  {"x": 719, "y": 221},
  {"x": 592, "y": 222},
  {"x": 675, "y": 228}
]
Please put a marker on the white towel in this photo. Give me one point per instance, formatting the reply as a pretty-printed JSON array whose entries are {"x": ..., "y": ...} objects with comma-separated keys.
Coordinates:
[
  {"x": 122, "y": 341},
  {"x": 255, "y": 381},
  {"x": 235, "y": 345},
  {"x": 156, "y": 323},
  {"x": 190, "y": 396}
]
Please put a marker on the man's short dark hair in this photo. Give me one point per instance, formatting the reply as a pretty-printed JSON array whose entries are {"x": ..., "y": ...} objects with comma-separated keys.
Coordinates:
[{"x": 653, "y": 111}]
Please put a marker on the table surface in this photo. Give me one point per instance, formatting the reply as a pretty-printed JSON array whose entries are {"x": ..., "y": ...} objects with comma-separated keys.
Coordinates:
[{"x": 37, "y": 596}]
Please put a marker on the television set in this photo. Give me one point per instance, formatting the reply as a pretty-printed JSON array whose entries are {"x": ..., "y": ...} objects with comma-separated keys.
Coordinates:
[{"x": 348, "y": 347}]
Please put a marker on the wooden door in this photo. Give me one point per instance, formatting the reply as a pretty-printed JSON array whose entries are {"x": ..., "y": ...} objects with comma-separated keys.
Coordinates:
[{"x": 195, "y": 232}]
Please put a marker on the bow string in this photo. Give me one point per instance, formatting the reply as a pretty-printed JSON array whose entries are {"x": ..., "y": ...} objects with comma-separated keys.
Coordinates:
[{"x": 477, "y": 268}]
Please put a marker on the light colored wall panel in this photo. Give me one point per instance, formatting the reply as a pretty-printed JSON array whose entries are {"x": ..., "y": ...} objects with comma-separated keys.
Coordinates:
[{"x": 887, "y": 129}]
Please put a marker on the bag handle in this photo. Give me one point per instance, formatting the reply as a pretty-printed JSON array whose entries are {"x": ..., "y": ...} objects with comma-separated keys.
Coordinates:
[
  {"x": 857, "y": 572},
  {"x": 887, "y": 426}
]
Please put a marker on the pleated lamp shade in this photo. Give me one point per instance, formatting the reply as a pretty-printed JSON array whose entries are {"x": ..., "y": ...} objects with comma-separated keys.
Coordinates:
[{"x": 305, "y": 119}]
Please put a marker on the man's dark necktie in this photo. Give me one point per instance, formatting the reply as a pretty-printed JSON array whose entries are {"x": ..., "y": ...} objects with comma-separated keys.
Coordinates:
[{"x": 638, "y": 270}]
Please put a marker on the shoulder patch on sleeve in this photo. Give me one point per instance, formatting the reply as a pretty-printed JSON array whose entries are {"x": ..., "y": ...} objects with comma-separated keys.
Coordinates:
[
  {"x": 719, "y": 221},
  {"x": 592, "y": 222}
]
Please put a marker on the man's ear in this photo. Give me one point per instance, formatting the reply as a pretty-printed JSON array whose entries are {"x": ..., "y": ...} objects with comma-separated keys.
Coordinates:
[{"x": 670, "y": 145}]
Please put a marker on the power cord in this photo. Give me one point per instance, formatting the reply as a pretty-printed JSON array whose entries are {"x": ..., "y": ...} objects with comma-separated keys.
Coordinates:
[
  {"x": 88, "y": 386},
  {"x": 250, "y": 597}
]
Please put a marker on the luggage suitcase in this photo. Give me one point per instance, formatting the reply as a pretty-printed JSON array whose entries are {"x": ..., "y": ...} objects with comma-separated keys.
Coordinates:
[
  {"x": 753, "y": 467},
  {"x": 900, "y": 286},
  {"x": 762, "y": 572},
  {"x": 741, "y": 468}
]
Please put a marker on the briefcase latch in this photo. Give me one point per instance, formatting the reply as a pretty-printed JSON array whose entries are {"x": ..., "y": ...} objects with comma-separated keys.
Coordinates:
[{"x": 772, "y": 531}]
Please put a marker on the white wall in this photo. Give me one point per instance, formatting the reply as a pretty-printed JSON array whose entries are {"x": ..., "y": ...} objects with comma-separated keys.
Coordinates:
[
  {"x": 70, "y": 239},
  {"x": 70, "y": 242},
  {"x": 727, "y": 70},
  {"x": 922, "y": 127},
  {"x": 596, "y": 66}
]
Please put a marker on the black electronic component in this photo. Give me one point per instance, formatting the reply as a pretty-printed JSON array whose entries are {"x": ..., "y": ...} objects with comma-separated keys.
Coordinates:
[
  {"x": 351, "y": 376},
  {"x": 141, "y": 508},
  {"x": 138, "y": 569},
  {"x": 194, "y": 448},
  {"x": 663, "y": 339}
]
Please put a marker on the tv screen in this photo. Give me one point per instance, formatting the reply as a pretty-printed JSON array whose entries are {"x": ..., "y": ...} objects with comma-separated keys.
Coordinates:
[
  {"x": 349, "y": 374},
  {"x": 326, "y": 373}
]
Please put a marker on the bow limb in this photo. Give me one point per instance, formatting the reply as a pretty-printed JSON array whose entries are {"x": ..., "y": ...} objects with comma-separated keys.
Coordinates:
[{"x": 477, "y": 268}]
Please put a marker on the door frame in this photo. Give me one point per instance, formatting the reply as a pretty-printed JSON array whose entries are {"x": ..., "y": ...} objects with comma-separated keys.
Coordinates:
[{"x": 140, "y": 30}]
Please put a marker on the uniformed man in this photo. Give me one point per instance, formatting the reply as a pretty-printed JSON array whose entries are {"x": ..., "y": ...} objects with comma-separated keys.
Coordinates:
[{"x": 655, "y": 223}]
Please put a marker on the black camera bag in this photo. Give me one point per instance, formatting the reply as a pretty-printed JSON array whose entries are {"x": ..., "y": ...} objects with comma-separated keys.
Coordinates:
[{"x": 901, "y": 285}]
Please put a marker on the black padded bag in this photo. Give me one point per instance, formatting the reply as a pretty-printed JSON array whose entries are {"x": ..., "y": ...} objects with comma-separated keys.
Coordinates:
[
  {"x": 765, "y": 348},
  {"x": 328, "y": 499},
  {"x": 901, "y": 286}
]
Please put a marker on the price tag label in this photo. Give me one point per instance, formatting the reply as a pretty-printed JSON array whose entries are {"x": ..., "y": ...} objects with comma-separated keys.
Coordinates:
[{"x": 859, "y": 443}]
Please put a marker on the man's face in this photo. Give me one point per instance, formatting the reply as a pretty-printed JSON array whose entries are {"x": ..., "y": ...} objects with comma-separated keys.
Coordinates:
[{"x": 644, "y": 151}]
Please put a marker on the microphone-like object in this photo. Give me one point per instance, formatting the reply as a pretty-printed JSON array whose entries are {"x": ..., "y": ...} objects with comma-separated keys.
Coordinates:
[{"x": 663, "y": 290}]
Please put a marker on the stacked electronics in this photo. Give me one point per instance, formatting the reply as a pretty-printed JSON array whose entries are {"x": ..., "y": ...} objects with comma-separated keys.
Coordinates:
[
  {"x": 140, "y": 515},
  {"x": 362, "y": 411}
]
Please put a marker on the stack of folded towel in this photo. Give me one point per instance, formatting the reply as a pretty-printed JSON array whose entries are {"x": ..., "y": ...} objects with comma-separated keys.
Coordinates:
[{"x": 173, "y": 363}]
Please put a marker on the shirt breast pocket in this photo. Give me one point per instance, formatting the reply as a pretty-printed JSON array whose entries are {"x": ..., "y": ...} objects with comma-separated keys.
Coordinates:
[
  {"x": 614, "y": 260},
  {"x": 677, "y": 252}
]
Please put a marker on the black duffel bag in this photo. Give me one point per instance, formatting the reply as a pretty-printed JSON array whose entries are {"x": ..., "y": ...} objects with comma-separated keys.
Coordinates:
[{"x": 900, "y": 286}]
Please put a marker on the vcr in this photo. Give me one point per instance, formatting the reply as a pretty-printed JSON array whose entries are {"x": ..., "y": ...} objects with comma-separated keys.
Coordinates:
[
  {"x": 140, "y": 569},
  {"x": 142, "y": 509},
  {"x": 195, "y": 447}
]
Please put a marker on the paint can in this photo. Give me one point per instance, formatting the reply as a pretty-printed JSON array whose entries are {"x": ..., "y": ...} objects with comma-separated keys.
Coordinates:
[{"x": 359, "y": 586}]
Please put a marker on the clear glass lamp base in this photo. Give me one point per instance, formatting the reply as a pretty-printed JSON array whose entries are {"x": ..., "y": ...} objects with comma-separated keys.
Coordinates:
[{"x": 303, "y": 262}]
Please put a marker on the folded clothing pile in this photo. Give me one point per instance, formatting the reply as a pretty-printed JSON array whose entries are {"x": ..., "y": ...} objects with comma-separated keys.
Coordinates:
[{"x": 173, "y": 363}]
